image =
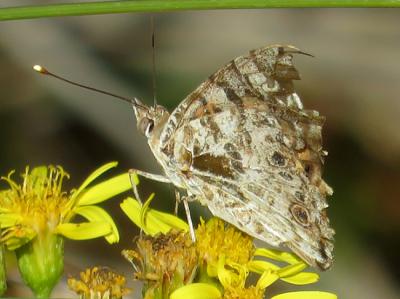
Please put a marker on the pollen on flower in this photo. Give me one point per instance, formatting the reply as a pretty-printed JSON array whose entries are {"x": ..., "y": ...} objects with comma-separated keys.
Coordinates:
[
  {"x": 164, "y": 259},
  {"x": 217, "y": 238},
  {"x": 37, "y": 203},
  {"x": 251, "y": 292},
  {"x": 99, "y": 282}
]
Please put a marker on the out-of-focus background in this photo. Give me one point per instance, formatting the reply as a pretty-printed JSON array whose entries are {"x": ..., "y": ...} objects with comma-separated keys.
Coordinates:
[{"x": 354, "y": 80}]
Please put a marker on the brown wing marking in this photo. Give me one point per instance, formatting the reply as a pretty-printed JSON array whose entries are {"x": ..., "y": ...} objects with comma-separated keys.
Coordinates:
[
  {"x": 302, "y": 234},
  {"x": 243, "y": 76}
]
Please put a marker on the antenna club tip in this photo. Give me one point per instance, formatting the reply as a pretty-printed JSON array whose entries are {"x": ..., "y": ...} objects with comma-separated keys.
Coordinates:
[{"x": 40, "y": 69}]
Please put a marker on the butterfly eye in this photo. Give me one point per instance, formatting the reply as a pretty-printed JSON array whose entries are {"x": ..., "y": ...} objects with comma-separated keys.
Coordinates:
[
  {"x": 149, "y": 128},
  {"x": 146, "y": 126}
]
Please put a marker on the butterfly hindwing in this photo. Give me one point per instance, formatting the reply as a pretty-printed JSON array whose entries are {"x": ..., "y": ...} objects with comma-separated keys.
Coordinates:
[{"x": 245, "y": 147}]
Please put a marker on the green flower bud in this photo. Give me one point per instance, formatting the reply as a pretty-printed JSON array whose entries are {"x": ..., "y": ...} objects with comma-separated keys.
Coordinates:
[{"x": 41, "y": 263}]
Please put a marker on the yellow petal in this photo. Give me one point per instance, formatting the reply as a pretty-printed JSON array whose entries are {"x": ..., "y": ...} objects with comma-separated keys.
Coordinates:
[
  {"x": 94, "y": 175},
  {"x": 261, "y": 266},
  {"x": 97, "y": 214},
  {"x": 38, "y": 176},
  {"x": 277, "y": 255},
  {"x": 145, "y": 208},
  {"x": 266, "y": 279},
  {"x": 196, "y": 291},
  {"x": 105, "y": 190},
  {"x": 16, "y": 237},
  {"x": 84, "y": 231},
  {"x": 9, "y": 219},
  {"x": 171, "y": 220},
  {"x": 224, "y": 276},
  {"x": 153, "y": 223},
  {"x": 14, "y": 243},
  {"x": 212, "y": 269},
  {"x": 306, "y": 295},
  {"x": 302, "y": 278},
  {"x": 292, "y": 269}
]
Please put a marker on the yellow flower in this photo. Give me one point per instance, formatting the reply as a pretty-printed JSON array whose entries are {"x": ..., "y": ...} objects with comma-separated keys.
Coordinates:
[
  {"x": 292, "y": 273},
  {"x": 216, "y": 240},
  {"x": 164, "y": 262},
  {"x": 39, "y": 206},
  {"x": 306, "y": 295},
  {"x": 151, "y": 221},
  {"x": 251, "y": 292},
  {"x": 197, "y": 290},
  {"x": 99, "y": 283},
  {"x": 37, "y": 214},
  {"x": 234, "y": 283},
  {"x": 225, "y": 256}
]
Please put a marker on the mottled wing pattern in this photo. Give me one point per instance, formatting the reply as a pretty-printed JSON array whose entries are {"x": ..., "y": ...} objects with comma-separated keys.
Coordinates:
[
  {"x": 243, "y": 145},
  {"x": 265, "y": 73}
]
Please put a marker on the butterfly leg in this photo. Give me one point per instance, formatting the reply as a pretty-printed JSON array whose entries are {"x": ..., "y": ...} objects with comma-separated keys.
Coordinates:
[
  {"x": 185, "y": 200},
  {"x": 177, "y": 202},
  {"x": 154, "y": 177},
  {"x": 189, "y": 219},
  {"x": 151, "y": 176}
]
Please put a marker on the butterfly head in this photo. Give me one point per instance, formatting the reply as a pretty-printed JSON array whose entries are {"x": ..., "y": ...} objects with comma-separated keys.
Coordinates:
[{"x": 150, "y": 120}]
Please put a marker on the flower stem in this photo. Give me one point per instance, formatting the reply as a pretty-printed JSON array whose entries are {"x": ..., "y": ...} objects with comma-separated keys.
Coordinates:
[
  {"x": 41, "y": 263},
  {"x": 3, "y": 283},
  {"x": 109, "y": 7}
]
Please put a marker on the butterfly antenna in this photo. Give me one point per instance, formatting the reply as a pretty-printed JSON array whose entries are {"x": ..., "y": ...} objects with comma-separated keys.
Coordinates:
[
  {"x": 153, "y": 51},
  {"x": 44, "y": 71}
]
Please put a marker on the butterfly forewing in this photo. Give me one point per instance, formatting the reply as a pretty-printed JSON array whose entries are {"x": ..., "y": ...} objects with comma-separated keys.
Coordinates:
[{"x": 242, "y": 144}]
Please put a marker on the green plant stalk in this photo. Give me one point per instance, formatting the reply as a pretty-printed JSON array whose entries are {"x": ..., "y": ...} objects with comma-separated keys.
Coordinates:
[
  {"x": 110, "y": 7},
  {"x": 203, "y": 277},
  {"x": 3, "y": 283},
  {"x": 41, "y": 263}
]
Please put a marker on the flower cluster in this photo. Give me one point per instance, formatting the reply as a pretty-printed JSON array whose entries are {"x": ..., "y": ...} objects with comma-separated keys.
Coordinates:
[
  {"x": 37, "y": 214},
  {"x": 99, "y": 283},
  {"x": 217, "y": 265}
]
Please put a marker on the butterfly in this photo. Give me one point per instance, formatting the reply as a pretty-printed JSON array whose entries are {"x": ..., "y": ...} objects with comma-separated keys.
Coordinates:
[{"x": 244, "y": 146}]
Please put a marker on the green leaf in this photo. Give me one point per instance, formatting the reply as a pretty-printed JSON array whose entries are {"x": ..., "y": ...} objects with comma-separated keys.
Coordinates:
[
  {"x": 84, "y": 231},
  {"x": 97, "y": 214},
  {"x": 105, "y": 190}
]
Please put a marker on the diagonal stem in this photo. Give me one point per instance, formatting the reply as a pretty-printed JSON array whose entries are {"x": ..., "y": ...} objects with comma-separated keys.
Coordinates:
[{"x": 110, "y": 7}]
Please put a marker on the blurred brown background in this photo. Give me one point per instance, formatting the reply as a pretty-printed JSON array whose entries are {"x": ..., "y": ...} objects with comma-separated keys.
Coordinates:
[{"x": 354, "y": 80}]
